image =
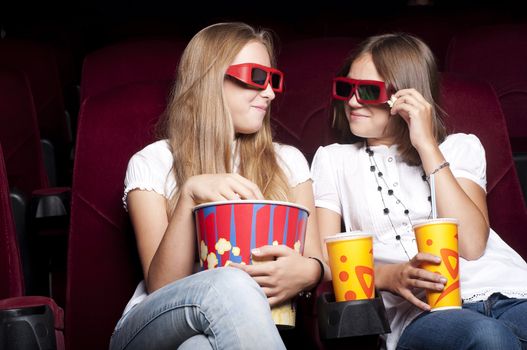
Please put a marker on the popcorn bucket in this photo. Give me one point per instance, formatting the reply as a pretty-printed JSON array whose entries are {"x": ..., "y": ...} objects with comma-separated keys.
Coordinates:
[{"x": 228, "y": 230}]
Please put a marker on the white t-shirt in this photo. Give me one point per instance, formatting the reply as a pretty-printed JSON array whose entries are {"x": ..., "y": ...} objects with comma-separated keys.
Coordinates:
[
  {"x": 344, "y": 183},
  {"x": 151, "y": 169}
]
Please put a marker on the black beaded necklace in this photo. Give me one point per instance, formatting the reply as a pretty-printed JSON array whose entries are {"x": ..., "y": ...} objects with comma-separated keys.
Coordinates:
[{"x": 377, "y": 174}]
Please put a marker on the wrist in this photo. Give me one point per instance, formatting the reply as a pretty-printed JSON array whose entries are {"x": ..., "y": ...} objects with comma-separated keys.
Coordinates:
[
  {"x": 380, "y": 277},
  {"x": 185, "y": 200},
  {"x": 190, "y": 191},
  {"x": 426, "y": 148},
  {"x": 317, "y": 276}
]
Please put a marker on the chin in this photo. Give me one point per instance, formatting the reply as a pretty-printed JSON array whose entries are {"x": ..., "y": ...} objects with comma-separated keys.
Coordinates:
[
  {"x": 247, "y": 130},
  {"x": 360, "y": 132}
]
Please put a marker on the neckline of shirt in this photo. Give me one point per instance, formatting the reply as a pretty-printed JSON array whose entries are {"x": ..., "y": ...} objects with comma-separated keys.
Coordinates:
[{"x": 385, "y": 149}]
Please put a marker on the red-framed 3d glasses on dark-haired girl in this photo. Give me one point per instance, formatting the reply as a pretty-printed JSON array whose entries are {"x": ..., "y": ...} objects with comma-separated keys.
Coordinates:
[
  {"x": 257, "y": 76},
  {"x": 366, "y": 91}
]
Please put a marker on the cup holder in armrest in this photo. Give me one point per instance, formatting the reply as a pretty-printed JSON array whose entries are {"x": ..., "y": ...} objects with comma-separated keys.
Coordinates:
[{"x": 351, "y": 318}]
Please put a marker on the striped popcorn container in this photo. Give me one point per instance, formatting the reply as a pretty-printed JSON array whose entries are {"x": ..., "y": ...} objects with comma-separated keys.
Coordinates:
[{"x": 228, "y": 230}]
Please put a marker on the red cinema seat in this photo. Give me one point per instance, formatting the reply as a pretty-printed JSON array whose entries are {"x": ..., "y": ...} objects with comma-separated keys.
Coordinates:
[
  {"x": 103, "y": 267},
  {"x": 19, "y": 134},
  {"x": 33, "y": 199},
  {"x": 139, "y": 60},
  {"x": 39, "y": 63},
  {"x": 301, "y": 115},
  {"x": 497, "y": 54},
  {"x": 26, "y": 322},
  {"x": 473, "y": 107}
]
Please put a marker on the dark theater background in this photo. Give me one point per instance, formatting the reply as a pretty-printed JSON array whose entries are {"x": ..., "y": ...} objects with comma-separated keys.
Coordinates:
[{"x": 90, "y": 78}]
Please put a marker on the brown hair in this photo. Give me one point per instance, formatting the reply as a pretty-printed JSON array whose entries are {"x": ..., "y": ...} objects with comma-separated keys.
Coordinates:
[
  {"x": 198, "y": 123},
  {"x": 403, "y": 61}
]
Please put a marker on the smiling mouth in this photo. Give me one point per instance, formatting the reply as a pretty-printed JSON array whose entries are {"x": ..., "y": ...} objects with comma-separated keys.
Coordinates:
[
  {"x": 264, "y": 109},
  {"x": 354, "y": 116}
]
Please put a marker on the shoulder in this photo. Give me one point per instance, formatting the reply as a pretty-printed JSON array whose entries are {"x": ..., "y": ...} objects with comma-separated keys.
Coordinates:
[
  {"x": 293, "y": 163},
  {"x": 158, "y": 151},
  {"x": 149, "y": 169},
  {"x": 156, "y": 156},
  {"x": 338, "y": 152},
  {"x": 466, "y": 156},
  {"x": 342, "y": 148},
  {"x": 150, "y": 164},
  {"x": 461, "y": 142},
  {"x": 287, "y": 152}
]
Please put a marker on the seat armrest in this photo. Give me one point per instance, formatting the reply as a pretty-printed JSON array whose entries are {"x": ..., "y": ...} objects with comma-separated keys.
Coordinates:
[
  {"x": 50, "y": 210},
  {"x": 311, "y": 310},
  {"x": 32, "y": 322},
  {"x": 354, "y": 318}
]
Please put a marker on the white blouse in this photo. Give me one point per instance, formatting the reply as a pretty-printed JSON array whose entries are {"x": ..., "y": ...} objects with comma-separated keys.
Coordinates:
[
  {"x": 344, "y": 183},
  {"x": 151, "y": 169}
]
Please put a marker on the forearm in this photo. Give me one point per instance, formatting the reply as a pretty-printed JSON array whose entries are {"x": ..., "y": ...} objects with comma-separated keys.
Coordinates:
[
  {"x": 174, "y": 258},
  {"x": 313, "y": 249},
  {"x": 303, "y": 194},
  {"x": 453, "y": 201}
]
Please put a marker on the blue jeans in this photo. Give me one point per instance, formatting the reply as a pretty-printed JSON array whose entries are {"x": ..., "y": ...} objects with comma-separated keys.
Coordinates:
[
  {"x": 496, "y": 323},
  {"x": 223, "y": 308}
]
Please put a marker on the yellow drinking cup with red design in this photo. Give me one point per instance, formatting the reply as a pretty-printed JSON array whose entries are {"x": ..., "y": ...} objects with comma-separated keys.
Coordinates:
[
  {"x": 439, "y": 237},
  {"x": 351, "y": 262}
]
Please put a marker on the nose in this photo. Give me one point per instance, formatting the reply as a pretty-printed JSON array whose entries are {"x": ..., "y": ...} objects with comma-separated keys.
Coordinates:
[
  {"x": 352, "y": 102},
  {"x": 268, "y": 92}
]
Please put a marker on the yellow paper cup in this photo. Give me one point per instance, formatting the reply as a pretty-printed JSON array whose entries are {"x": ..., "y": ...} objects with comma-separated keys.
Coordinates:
[
  {"x": 351, "y": 262},
  {"x": 439, "y": 237}
]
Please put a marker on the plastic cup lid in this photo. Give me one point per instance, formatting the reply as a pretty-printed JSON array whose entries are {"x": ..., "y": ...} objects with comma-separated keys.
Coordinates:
[
  {"x": 435, "y": 221},
  {"x": 347, "y": 235}
]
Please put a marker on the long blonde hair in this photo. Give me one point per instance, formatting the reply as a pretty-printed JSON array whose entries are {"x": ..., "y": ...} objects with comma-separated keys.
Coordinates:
[
  {"x": 198, "y": 123},
  {"x": 404, "y": 61}
]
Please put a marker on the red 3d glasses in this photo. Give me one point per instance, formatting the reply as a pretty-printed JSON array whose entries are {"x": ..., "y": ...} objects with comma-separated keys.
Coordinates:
[
  {"x": 366, "y": 91},
  {"x": 257, "y": 76}
]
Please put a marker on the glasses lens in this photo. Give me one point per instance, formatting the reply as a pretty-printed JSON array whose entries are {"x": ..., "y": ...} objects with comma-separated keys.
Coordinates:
[
  {"x": 369, "y": 92},
  {"x": 275, "y": 81},
  {"x": 258, "y": 76},
  {"x": 343, "y": 89}
]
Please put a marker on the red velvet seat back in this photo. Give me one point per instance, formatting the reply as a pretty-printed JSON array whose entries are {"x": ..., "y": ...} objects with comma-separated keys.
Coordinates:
[
  {"x": 103, "y": 268},
  {"x": 301, "y": 115},
  {"x": 19, "y": 134},
  {"x": 473, "y": 107},
  {"x": 497, "y": 54},
  {"x": 39, "y": 63},
  {"x": 139, "y": 60},
  {"x": 15, "y": 323},
  {"x": 11, "y": 277}
]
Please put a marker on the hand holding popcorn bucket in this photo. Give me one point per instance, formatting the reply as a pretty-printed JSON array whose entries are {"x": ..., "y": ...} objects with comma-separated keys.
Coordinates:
[{"x": 228, "y": 230}]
